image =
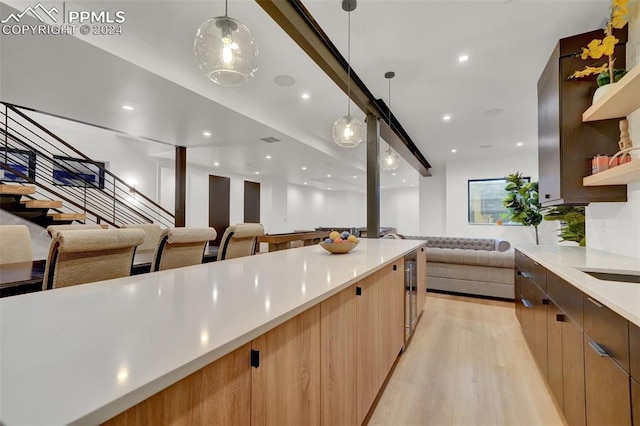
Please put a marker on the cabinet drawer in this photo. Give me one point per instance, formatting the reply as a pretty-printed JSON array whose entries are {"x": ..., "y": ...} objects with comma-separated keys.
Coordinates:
[
  {"x": 607, "y": 329},
  {"x": 608, "y": 399},
  {"x": 634, "y": 352},
  {"x": 529, "y": 268},
  {"x": 635, "y": 402},
  {"x": 566, "y": 296},
  {"x": 540, "y": 276},
  {"x": 523, "y": 262}
]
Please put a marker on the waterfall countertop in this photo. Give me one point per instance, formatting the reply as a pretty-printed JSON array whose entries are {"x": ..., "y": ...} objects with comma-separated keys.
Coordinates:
[
  {"x": 83, "y": 354},
  {"x": 570, "y": 262}
]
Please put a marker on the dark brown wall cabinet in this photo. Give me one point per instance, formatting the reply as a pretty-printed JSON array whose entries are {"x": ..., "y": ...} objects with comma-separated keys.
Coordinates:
[
  {"x": 589, "y": 354},
  {"x": 566, "y": 144}
]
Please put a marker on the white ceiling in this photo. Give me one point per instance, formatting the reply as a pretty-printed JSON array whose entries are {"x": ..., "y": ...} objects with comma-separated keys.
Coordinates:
[{"x": 508, "y": 43}]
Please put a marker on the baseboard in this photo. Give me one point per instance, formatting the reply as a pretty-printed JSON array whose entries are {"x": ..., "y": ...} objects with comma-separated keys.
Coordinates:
[{"x": 477, "y": 296}]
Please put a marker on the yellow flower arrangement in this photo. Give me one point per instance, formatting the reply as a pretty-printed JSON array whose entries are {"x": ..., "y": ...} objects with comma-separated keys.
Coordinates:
[{"x": 596, "y": 49}]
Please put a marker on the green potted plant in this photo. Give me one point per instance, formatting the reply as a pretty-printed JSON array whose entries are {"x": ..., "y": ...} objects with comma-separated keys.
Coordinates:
[
  {"x": 522, "y": 202},
  {"x": 572, "y": 223}
]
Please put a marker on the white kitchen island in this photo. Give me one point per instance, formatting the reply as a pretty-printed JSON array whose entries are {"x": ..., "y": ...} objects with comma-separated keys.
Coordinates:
[{"x": 84, "y": 354}]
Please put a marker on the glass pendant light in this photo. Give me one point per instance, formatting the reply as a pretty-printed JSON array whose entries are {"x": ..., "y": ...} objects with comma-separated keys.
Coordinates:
[
  {"x": 390, "y": 159},
  {"x": 226, "y": 51},
  {"x": 348, "y": 131}
]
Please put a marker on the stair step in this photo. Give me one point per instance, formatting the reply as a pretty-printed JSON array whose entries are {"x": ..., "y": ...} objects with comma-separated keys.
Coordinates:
[
  {"x": 42, "y": 204},
  {"x": 16, "y": 189},
  {"x": 67, "y": 216}
]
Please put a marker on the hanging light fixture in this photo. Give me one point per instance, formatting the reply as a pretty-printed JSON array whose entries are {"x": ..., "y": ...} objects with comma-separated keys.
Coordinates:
[
  {"x": 348, "y": 131},
  {"x": 390, "y": 159},
  {"x": 226, "y": 51}
]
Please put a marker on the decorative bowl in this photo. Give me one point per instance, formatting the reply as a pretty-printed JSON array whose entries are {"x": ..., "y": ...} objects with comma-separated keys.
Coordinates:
[{"x": 339, "y": 248}]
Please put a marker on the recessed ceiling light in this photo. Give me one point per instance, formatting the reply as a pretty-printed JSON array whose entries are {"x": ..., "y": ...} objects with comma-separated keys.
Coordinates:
[
  {"x": 355, "y": 177},
  {"x": 128, "y": 107},
  {"x": 454, "y": 150},
  {"x": 257, "y": 173},
  {"x": 305, "y": 183},
  {"x": 207, "y": 134},
  {"x": 393, "y": 174},
  {"x": 329, "y": 189},
  {"x": 328, "y": 175},
  {"x": 284, "y": 80},
  {"x": 446, "y": 117},
  {"x": 404, "y": 180},
  {"x": 268, "y": 157},
  {"x": 304, "y": 168},
  {"x": 305, "y": 96},
  {"x": 519, "y": 144},
  {"x": 381, "y": 187},
  {"x": 463, "y": 58},
  {"x": 494, "y": 111},
  {"x": 412, "y": 185},
  {"x": 216, "y": 164}
]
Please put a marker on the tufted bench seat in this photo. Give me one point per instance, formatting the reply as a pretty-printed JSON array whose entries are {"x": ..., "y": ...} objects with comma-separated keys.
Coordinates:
[{"x": 476, "y": 266}]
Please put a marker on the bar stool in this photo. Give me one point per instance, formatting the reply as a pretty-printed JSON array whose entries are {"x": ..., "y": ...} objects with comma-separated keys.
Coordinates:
[{"x": 178, "y": 247}]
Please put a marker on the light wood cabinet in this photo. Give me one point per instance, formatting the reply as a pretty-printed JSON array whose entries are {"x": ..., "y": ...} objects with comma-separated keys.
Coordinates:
[
  {"x": 338, "y": 359},
  {"x": 218, "y": 394},
  {"x": 324, "y": 366},
  {"x": 391, "y": 309},
  {"x": 285, "y": 388},
  {"x": 422, "y": 278},
  {"x": 368, "y": 325}
]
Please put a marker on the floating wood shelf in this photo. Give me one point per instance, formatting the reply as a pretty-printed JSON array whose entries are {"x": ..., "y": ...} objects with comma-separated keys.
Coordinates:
[
  {"x": 619, "y": 175},
  {"x": 620, "y": 101},
  {"x": 42, "y": 204},
  {"x": 67, "y": 216},
  {"x": 7, "y": 189}
]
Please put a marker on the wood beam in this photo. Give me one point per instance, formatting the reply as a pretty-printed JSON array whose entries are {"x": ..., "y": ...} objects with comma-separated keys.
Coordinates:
[
  {"x": 181, "y": 186},
  {"x": 298, "y": 23},
  {"x": 373, "y": 177}
]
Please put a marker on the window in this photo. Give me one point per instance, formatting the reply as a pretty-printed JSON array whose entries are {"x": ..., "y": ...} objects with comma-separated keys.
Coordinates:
[
  {"x": 77, "y": 172},
  {"x": 485, "y": 201},
  {"x": 23, "y": 162}
]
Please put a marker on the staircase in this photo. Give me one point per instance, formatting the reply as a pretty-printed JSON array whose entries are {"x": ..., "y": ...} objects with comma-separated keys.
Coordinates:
[
  {"x": 47, "y": 181},
  {"x": 34, "y": 210}
]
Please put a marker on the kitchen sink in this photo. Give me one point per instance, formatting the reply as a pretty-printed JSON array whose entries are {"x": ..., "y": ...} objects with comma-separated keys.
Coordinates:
[{"x": 632, "y": 277}]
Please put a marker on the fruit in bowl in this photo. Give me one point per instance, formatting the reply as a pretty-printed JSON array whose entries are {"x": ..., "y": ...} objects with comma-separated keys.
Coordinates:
[{"x": 339, "y": 243}]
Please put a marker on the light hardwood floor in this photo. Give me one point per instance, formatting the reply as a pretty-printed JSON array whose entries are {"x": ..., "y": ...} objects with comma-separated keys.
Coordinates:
[{"x": 468, "y": 364}]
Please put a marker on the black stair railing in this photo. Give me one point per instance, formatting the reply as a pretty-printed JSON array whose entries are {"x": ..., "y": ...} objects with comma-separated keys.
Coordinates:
[{"x": 38, "y": 157}]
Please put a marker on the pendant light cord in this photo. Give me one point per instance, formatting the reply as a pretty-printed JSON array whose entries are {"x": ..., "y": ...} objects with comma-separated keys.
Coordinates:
[
  {"x": 226, "y": 4},
  {"x": 389, "y": 112},
  {"x": 349, "y": 67}
]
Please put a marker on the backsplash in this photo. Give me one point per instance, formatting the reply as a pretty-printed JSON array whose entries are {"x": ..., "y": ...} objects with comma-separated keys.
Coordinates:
[{"x": 615, "y": 227}]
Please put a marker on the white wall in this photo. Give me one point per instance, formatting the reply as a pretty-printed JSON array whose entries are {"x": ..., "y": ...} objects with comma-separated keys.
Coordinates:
[
  {"x": 309, "y": 208},
  {"x": 433, "y": 203},
  {"x": 399, "y": 208},
  {"x": 457, "y": 175},
  {"x": 615, "y": 227}
]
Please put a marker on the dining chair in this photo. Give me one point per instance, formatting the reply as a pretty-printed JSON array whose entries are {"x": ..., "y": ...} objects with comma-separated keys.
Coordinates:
[
  {"x": 52, "y": 229},
  {"x": 178, "y": 247},
  {"x": 152, "y": 235},
  {"x": 239, "y": 240},
  {"x": 15, "y": 244},
  {"x": 84, "y": 256}
]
